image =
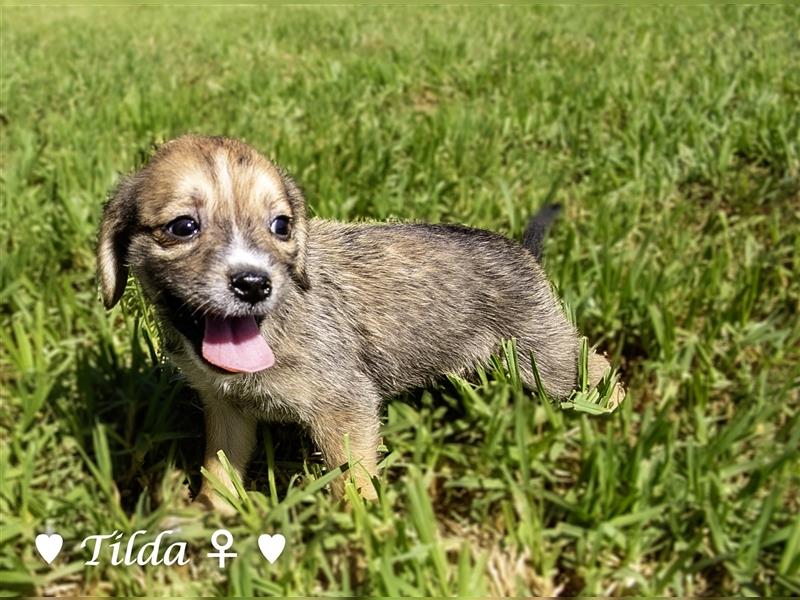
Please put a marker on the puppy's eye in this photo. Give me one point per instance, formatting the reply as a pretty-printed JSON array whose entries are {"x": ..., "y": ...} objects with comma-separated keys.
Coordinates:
[
  {"x": 183, "y": 227},
  {"x": 280, "y": 226}
]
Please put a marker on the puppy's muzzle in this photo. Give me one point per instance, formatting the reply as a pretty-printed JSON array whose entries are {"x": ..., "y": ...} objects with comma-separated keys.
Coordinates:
[{"x": 251, "y": 287}]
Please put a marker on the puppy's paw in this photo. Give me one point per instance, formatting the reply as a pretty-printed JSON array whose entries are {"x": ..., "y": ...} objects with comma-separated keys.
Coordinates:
[
  {"x": 362, "y": 483},
  {"x": 599, "y": 368},
  {"x": 367, "y": 490},
  {"x": 617, "y": 396},
  {"x": 208, "y": 501}
]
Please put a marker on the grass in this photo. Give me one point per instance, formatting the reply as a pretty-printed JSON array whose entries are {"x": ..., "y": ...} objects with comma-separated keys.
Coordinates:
[{"x": 672, "y": 138}]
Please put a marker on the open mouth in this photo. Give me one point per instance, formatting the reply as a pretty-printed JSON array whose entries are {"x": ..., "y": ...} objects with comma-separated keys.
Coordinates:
[{"x": 231, "y": 344}]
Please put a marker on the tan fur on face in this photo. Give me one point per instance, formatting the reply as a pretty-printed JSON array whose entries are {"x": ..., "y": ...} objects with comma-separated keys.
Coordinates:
[
  {"x": 358, "y": 312},
  {"x": 227, "y": 181},
  {"x": 231, "y": 190}
]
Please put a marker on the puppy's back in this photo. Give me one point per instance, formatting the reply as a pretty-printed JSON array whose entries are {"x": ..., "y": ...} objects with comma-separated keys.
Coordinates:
[{"x": 423, "y": 300}]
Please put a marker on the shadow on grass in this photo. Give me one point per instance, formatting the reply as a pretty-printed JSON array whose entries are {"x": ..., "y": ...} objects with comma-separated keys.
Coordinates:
[{"x": 153, "y": 421}]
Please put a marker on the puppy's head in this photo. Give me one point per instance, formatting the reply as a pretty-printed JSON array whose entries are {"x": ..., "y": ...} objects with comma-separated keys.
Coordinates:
[{"x": 217, "y": 235}]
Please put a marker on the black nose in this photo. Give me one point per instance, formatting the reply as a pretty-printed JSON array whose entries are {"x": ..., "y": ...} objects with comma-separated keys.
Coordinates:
[{"x": 251, "y": 287}]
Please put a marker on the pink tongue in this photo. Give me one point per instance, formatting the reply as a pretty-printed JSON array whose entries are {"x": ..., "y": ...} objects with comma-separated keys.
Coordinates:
[{"x": 235, "y": 344}]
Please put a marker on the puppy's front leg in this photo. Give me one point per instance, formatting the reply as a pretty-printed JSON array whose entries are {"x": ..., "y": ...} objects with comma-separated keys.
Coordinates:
[
  {"x": 233, "y": 432},
  {"x": 350, "y": 434}
]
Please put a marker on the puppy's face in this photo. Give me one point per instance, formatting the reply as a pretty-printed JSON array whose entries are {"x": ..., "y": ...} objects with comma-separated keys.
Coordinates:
[{"x": 216, "y": 234}]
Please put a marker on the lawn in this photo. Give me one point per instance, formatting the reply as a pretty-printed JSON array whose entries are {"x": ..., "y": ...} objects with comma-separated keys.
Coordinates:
[{"x": 671, "y": 136}]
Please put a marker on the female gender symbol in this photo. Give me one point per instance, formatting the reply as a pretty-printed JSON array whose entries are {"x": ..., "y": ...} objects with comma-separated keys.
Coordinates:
[{"x": 221, "y": 553}]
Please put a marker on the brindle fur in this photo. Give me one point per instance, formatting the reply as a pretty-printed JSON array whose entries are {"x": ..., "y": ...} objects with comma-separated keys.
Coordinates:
[{"x": 358, "y": 312}]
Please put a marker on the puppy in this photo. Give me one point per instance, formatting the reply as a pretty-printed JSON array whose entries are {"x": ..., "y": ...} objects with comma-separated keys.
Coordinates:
[{"x": 274, "y": 316}]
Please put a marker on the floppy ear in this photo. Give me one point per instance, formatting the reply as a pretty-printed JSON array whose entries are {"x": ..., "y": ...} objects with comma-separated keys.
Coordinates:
[
  {"x": 299, "y": 228},
  {"x": 119, "y": 215}
]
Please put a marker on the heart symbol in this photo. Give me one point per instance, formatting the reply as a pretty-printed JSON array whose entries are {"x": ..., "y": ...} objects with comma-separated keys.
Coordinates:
[
  {"x": 49, "y": 546},
  {"x": 271, "y": 546}
]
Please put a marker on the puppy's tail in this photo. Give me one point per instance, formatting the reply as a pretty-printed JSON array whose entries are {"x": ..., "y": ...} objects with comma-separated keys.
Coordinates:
[{"x": 538, "y": 225}]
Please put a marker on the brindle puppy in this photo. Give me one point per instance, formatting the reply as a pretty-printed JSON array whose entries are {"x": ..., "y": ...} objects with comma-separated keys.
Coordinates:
[{"x": 274, "y": 316}]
